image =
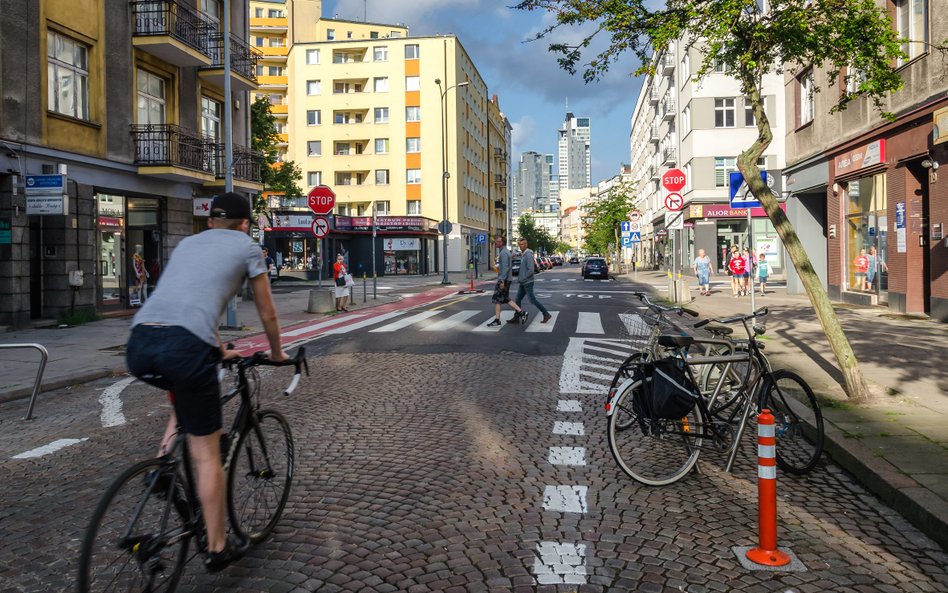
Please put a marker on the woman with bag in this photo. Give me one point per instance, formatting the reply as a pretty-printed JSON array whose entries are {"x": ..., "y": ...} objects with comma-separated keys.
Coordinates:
[{"x": 339, "y": 273}]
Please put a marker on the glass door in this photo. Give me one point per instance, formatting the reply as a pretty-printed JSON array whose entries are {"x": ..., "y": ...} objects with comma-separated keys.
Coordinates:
[
  {"x": 144, "y": 248},
  {"x": 110, "y": 225}
]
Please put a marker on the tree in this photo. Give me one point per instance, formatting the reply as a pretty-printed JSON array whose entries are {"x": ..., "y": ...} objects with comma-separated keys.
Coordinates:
[
  {"x": 281, "y": 178},
  {"x": 538, "y": 238},
  {"x": 853, "y": 39},
  {"x": 606, "y": 213}
]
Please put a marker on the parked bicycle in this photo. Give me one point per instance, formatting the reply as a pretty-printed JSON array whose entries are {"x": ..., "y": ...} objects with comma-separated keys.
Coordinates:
[
  {"x": 660, "y": 421},
  {"x": 140, "y": 533}
]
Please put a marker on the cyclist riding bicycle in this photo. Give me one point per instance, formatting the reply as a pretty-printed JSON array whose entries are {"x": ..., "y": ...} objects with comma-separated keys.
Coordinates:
[{"x": 175, "y": 346}]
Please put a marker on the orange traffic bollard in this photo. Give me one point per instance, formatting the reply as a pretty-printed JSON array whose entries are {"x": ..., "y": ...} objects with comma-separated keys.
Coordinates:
[{"x": 766, "y": 552}]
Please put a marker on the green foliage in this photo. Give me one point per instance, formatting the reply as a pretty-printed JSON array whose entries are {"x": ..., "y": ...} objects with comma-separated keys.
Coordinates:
[
  {"x": 281, "y": 178},
  {"x": 603, "y": 218},
  {"x": 538, "y": 238},
  {"x": 77, "y": 317}
]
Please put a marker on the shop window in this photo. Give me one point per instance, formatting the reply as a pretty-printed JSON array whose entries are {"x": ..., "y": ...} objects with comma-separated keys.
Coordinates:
[{"x": 867, "y": 235}]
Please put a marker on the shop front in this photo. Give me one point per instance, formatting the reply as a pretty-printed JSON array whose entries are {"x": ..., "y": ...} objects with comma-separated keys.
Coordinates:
[
  {"x": 718, "y": 226},
  {"x": 291, "y": 242},
  {"x": 129, "y": 249},
  {"x": 402, "y": 245}
]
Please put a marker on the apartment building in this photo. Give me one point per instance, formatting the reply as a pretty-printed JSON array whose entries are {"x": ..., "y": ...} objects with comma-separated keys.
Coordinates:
[
  {"x": 700, "y": 127},
  {"x": 574, "y": 165},
  {"x": 499, "y": 172},
  {"x": 862, "y": 185},
  {"x": 112, "y": 142}
]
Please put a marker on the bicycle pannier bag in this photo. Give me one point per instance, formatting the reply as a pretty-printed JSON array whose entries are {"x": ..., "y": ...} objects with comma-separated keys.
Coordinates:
[{"x": 671, "y": 393}]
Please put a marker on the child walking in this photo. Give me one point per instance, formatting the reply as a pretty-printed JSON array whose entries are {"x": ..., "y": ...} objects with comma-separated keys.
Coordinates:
[{"x": 763, "y": 272}]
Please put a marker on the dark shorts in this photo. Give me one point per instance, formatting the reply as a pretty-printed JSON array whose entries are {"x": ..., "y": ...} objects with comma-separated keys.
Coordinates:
[
  {"x": 763, "y": 279},
  {"x": 501, "y": 295},
  {"x": 172, "y": 358}
]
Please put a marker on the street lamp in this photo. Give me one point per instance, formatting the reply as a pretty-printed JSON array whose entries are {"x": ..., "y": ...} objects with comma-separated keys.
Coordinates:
[{"x": 444, "y": 172}]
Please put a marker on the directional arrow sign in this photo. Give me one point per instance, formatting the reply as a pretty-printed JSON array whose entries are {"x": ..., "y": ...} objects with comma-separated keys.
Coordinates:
[
  {"x": 674, "y": 201},
  {"x": 626, "y": 226},
  {"x": 320, "y": 227}
]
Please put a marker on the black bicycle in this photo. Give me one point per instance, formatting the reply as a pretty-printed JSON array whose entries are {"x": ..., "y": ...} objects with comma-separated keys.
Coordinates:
[{"x": 140, "y": 533}]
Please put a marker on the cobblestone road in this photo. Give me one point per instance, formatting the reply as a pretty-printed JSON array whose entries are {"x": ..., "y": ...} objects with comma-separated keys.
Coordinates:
[{"x": 444, "y": 484}]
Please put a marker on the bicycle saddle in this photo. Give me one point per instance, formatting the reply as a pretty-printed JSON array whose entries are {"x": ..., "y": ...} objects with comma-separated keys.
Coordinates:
[
  {"x": 719, "y": 329},
  {"x": 670, "y": 341}
]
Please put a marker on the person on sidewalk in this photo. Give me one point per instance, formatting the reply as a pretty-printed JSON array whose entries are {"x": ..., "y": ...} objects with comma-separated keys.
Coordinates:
[
  {"x": 339, "y": 271},
  {"x": 750, "y": 268},
  {"x": 175, "y": 346},
  {"x": 271, "y": 265},
  {"x": 763, "y": 272},
  {"x": 501, "y": 294},
  {"x": 702, "y": 266},
  {"x": 861, "y": 266},
  {"x": 735, "y": 267},
  {"x": 528, "y": 273}
]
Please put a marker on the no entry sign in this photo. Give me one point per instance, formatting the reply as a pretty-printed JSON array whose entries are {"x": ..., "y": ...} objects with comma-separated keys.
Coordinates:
[{"x": 673, "y": 179}]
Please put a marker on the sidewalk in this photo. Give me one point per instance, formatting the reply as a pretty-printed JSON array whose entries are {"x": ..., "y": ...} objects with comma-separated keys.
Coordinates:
[{"x": 897, "y": 444}]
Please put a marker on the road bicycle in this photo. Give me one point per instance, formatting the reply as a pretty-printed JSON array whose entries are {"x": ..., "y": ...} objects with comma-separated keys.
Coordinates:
[
  {"x": 141, "y": 531},
  {"x": 659, "y": 450}
]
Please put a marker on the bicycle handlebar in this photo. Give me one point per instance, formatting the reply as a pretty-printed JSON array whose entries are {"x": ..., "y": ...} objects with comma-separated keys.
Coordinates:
[
  {"x": 662, "y": 308},
  {"x": 298, "y": 362},
  {"x": 725, "y": 320}
]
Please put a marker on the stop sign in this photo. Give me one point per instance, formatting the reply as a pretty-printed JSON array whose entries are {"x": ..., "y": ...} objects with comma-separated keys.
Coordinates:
[
  {"x": 673, "y": 179},
  {"x": 321, "y": 200}
]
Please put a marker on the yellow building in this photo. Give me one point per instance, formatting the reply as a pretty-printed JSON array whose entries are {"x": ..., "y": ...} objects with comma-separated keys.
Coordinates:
[{"x": 379, "y": 116}]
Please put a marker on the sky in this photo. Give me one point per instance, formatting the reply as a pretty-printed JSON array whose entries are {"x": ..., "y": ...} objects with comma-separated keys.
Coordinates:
[{"x": 532, "y": 89}]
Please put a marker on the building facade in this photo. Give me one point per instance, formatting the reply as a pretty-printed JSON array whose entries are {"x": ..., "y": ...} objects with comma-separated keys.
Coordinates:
[
  {"x": 113, "y": 135},
  {"x": 574, "y": 165},
  {"x": 866, "y": 189}
]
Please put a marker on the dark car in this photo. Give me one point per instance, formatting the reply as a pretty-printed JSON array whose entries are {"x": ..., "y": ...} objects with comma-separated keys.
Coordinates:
[
  {"x": 515, "y": 266},
  {"x": 595, "y": 267},
  {"x": 574, "y": 260}
]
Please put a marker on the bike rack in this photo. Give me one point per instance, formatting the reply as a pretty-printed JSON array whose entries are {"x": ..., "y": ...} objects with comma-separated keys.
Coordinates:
[{"x": 39, "y": 373}]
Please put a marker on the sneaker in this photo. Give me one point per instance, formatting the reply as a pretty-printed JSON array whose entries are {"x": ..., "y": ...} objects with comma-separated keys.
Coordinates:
[
  {"x": 234, "y": 550},
  {"x": 523, "y": 317},
  {"x": 514, "y": 319},
  {"x": 494, "y": 323},
  {"x": 546, "y": 317}
]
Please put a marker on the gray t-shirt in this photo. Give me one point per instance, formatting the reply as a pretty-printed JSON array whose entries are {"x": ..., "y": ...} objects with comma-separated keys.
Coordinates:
[{"x": 204, "y": 272}]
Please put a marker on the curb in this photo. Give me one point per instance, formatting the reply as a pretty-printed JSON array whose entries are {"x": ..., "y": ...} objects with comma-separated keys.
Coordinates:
[{"x": 59, "y": 383}]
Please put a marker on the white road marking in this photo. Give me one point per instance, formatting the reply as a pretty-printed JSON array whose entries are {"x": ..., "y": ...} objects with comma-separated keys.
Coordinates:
[
  {"x": 112, "y": 404},
  {"x": 565, "y": 499},
  {"x": 451, "y": 322},
  {"x": 589, "y": 323},
  {"x": 567, "y": 456},
  {"x": 329, "y": 322},
  {"x": 47, "y": 449},
  {"x": 405, "y": 322},
  {"x": 574, "y": 428},
  {"x": 557, "y": 563},
  {"x": 537, "y": 327},
  {"x": 504, "y": 316},
  {"x": 634, "y": 324},
  {"x": 569, "y": 405},
  {"x": 364, "y": 323},
  {"x": 592, "y": 373}
]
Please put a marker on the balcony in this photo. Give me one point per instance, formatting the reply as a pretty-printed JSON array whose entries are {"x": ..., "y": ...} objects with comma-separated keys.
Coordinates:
[
  {"x": 669, "y": 156},
  {"x": 171, "y": 32},
  {"x": 668, "y": 109},
  {"x": 279, "y": 110},
  {"x": 273, "y": 82},
  {"x": 667, "y": 65},
  {"x": 499, "y": 179},
  {"x": 246, "y": 167},
  {"x": 273, "y": 54},
  {"x": 653, "y": 95},
  {"x": 243, "y": 64},
  {"x": 172, "y": 153},
  {"x": 500, "y": 205},
  {"x": 268, "y": 24},
  {"x": 653, "y": 133}
]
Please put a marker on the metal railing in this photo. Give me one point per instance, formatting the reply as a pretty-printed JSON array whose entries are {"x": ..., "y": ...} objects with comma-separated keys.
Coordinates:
[
  {"x": 243, "y": 58},
  {"x": 169, "y": 17},
  {"x": 170, "y": 145},
  {"x": 44, "y": 356}
]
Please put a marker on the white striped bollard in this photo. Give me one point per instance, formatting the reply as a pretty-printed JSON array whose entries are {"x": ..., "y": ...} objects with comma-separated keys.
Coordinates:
[{"x": 766, "y": 552}]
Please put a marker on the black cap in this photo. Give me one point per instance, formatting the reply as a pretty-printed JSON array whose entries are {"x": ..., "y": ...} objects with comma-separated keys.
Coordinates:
[{"x": 231, "y": 205}]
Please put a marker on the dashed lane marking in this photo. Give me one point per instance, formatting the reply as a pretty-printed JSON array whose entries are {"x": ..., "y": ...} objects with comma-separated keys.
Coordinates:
[
  {"x": 589, "y": 323},
  {"x": 573, "y": 428},
  {"x": 569, "y": 405},
  {"x": 112, "y": 404},
  {"x": 47, "y": 449},
  {"x": 567, "y": 456},
  {"x": 565, "y": 499}
]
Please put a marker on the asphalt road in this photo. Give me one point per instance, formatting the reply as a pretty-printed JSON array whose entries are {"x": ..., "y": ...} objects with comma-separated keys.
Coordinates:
[{"x": 436, "y": 454}]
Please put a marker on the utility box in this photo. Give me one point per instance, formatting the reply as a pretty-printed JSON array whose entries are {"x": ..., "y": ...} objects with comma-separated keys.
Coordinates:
[
  {"x": 321, "y": 301},
  {"x": 75, "y": 278}
]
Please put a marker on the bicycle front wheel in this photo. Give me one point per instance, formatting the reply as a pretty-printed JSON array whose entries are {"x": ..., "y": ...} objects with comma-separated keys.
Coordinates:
[
  {"x": 798, "y": 421},
  {"x": 653, "y": 452},
  {"x": 138, "y": 537},
  {"x": 261, "y": 472}
]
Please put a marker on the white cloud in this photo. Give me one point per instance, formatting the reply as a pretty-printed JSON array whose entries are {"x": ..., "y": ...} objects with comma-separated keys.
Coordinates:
[{"x": 522, "y": 134}]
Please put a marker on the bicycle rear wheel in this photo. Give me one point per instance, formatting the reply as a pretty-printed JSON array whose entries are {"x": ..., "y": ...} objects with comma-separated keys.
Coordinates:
[
  {"x": 138, "y": 537},
  {"x": 625, "y": 371},
  {"x": 261, "y": 472},
  {"x": 798, "y": 421},
  {"x": 653, "y": 452}
]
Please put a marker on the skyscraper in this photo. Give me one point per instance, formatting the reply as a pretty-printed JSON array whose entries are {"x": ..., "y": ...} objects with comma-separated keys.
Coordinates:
[
  {"x": 574, "y": 167},
  {"x": 533, "y": 183}
]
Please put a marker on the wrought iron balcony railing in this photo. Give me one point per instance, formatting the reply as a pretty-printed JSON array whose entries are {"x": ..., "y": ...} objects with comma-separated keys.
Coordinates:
[
  {"x": 247, "y": 163},
  {"x": 168, "y": 145},
  {"x": 171, "y": 18},
  {"x": 243, "y": 58}
]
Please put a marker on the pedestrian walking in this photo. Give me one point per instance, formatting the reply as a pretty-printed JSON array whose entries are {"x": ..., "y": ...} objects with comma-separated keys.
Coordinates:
[
  {"x": 735, "y": 268},
  {"x": 528, "y": 272},
  {"x": 876, "y": 266},
  {"x": 501, "y": 294},
  {"x": 702, "y": 266},
  {"x": 271, "y": 265},
  {"x": 861, "y": 265},
  {"x": 339, "y": 271},
  {"x": 750, "y": 265},
  {"x": 175, "y": 346},
  {"x": 763, "y": 272}
]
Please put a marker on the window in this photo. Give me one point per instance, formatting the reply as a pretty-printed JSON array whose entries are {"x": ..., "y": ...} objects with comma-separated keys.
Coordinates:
[
  {"x": 330, "y": 34},
  {"x": 912, "y": 19},
  {"x": 373, "y": 35},
  {"x": 414, "y": 207},
  {"x": 720, "y": 66},
  {"x": 381, "y": 146},
  {"x": 381, "y": 85},
  {"x": 348, "y": 34},
  {"x": 210, "y": 118},
  {"x": 805, "y": 107},
  {"x": 211, "y": 11},
  {"x": 343, "y": 149},
  {"x": 749, "y": 119},
  {"x": 723, "y": 167},
  {"x": 67, "y": 70},
  {"x": 413, "y": 114},
  {"x": 151, "y": 99},
  {"x": 314, "y": 117},
  {"x": 685, "y": 121},
  {"x": 724, "y": 113},
  {"x": 380, "y": 53},
  {"x": 413, "y": 176},
  {"x": 258, "y": 41},
  {"x": 258, "y": 12},
  {"x": 854, "y": 78},
  {"x": 381, "y": 177},
  {"x": 381, "y": 115},
  {"x": 275, "y": 70},
  {"x": 395, "y": 34},
  {"x": 313, "y": 87},
  {"x": 314, "y": 148},
  {"x": 274, "y": 13},
  {"x": 685, "y": 68},
  {"x": 382, "y": 208},
  {"x": 314, "y": 178},
  {"x": 261, "y": 71},
  {"x": 312, "y": 56},
  {"x": 413, "y": 145},
  {"x": 274, "y": 42},
  {"x": 411, "y": 51},
  {"x": 412, "y": 83}
]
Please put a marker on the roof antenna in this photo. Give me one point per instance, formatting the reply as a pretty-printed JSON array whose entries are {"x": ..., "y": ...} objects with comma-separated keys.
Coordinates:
[{"x": 365, "y": 10}]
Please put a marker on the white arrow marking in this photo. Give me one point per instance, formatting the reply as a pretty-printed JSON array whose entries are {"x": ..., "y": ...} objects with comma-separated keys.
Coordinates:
[
  {"x": 47, "y": 449},
  {"x": 112, "y": 404}
]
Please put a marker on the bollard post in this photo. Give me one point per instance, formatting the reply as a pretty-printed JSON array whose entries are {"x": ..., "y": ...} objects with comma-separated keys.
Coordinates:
[
  {"x": 766, "y": 552},
  {"x": 364, "y": 289}
]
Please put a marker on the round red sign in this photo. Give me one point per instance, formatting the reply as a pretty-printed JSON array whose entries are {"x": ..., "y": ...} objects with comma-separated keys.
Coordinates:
[
  {"x": 321, "y": 199},
  {"x": 673, "y": 179}
]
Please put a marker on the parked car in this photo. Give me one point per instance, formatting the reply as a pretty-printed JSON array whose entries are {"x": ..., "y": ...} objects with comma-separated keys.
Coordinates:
[
  {"x": 515, "y": 265},
  {"x": 595, "y": 267},
  {"x": 557, "y": 260},
  {"x": 547, "y": 263},
  {"x": 574, "y": 260}
]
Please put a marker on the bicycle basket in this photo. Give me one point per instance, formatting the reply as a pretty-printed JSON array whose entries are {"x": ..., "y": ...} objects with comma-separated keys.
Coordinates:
[
  {"x": 641, "y": 328},
  {"x": 670, "y": 395}
]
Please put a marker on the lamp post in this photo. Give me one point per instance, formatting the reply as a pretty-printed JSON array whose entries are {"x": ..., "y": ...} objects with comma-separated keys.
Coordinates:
[{"x": 445, "y": 175}]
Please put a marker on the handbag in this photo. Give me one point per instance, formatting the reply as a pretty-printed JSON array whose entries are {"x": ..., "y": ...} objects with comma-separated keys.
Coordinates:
[
  {"x": 340, "y": 280},
  {"x": 349, "y": 281}
]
